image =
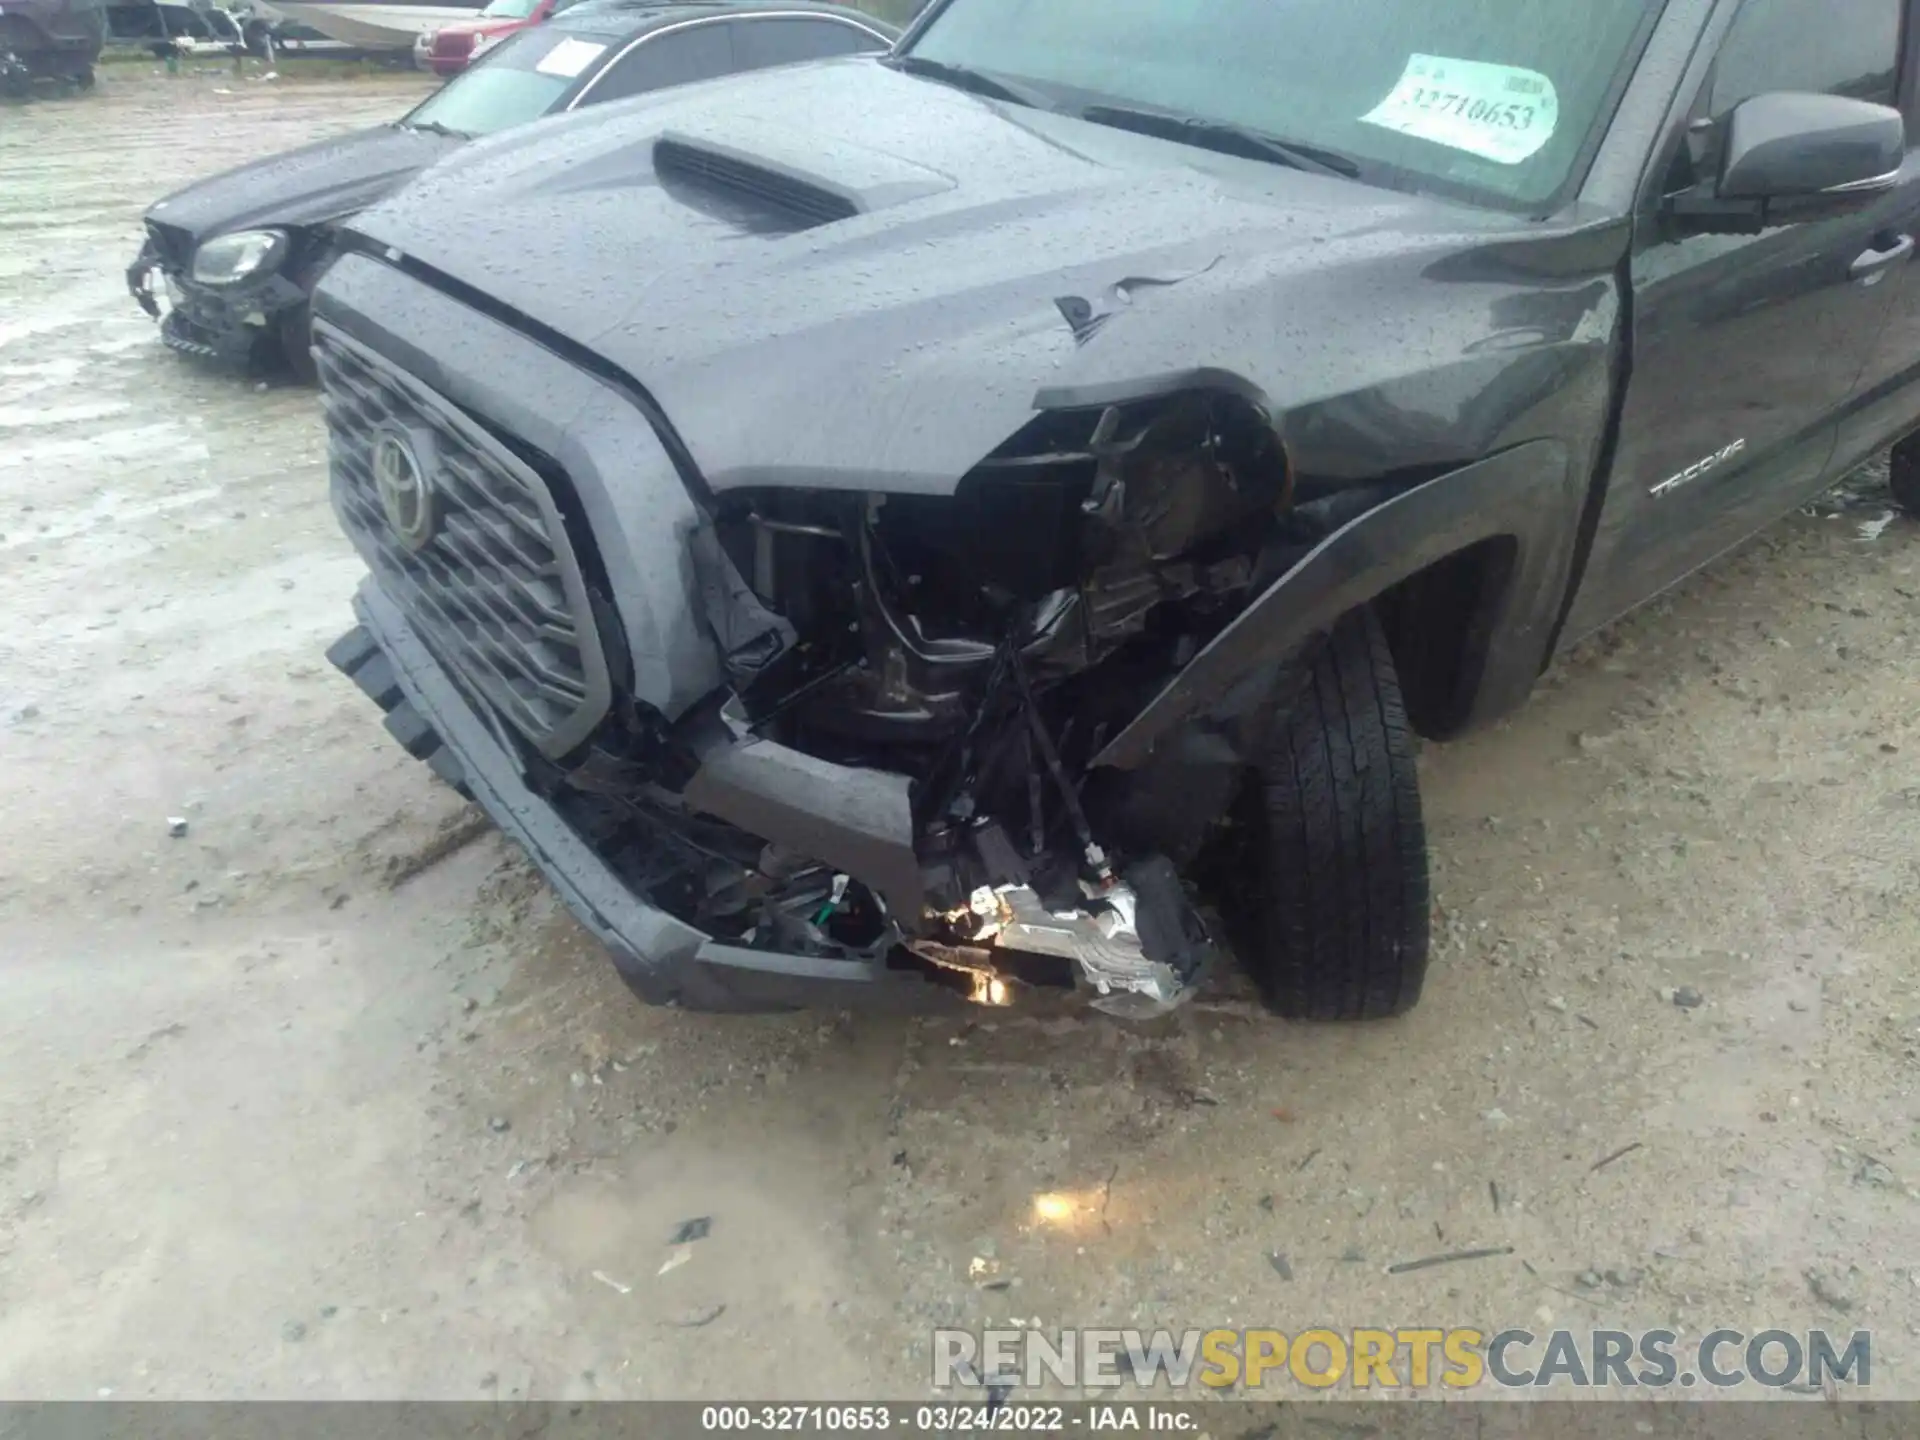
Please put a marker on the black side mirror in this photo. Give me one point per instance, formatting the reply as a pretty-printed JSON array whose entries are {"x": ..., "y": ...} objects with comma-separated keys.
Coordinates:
[
  {"x": 1788, "y": 155},
  {"x": 1785, "y": 144}
]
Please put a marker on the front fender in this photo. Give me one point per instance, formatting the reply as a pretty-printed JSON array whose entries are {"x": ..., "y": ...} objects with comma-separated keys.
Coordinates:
[{"x": 1529, "y": 496}]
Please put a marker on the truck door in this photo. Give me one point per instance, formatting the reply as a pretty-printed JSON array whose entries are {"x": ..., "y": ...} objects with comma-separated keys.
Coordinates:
[
  {"x": 1746, "y": 347},
  {"x": 1886, "y": 398}
]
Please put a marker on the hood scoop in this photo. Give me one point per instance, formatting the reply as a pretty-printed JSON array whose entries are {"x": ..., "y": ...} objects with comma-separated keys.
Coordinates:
[
  {"x": 756, "y": 197},
  {"x": 779, "y": 181}
]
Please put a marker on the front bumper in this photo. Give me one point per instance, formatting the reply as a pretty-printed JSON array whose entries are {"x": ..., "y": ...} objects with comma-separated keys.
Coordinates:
[
  {"x": 224, "y": 326},
  {"x": 662, "y": 959}
]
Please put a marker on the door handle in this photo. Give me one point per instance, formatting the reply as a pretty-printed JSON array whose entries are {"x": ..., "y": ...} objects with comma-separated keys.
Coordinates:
[{"x": 1869, "y": 264}]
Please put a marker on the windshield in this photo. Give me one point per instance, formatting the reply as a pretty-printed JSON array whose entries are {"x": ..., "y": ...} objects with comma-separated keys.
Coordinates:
[
  {"x": 509, "y": 9},
  {"x": 1491, "y": 97},
  {"x": 520, "y": 79}
]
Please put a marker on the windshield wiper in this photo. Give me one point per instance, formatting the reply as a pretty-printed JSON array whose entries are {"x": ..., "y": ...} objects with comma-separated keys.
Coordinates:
[
  {"x": 963, "y": 78},
  {"x": 1228, "y": 138},
  {"x": 434, "y": 127}
]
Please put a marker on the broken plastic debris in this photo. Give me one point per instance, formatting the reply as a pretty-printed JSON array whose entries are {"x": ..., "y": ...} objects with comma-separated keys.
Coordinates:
[
  {"x": 1873, "y": 529},
  {"x": 674, "y": 1261},
  {"x": 176, "y": 826},
  {"x": 691, "y": 1230}
]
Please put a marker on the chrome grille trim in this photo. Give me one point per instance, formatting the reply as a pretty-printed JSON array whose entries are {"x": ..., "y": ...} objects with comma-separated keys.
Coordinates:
[{"x": 497, "y": 594}]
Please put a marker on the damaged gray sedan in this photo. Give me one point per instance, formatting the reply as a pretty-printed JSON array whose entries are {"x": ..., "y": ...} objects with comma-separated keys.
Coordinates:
[{"x": 992, "y": 518}]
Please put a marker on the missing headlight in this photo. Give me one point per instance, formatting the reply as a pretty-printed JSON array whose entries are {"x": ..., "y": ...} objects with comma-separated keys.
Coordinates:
[{"x": 983, "y": 645}]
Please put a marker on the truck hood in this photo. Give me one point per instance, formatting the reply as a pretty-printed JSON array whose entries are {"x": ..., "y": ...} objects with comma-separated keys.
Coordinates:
[
  {"x": 1000, "y": 259},
  {"x": 315, "y": 183}
]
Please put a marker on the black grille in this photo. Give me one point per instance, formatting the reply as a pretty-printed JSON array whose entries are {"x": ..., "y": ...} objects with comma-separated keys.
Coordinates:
[
  {"x": 496, "y": 592},
  {"x": 795, "y": 203}
]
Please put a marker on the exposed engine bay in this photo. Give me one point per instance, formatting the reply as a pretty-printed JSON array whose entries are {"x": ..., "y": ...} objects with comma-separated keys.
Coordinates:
[{"x": 968, "y": 656}]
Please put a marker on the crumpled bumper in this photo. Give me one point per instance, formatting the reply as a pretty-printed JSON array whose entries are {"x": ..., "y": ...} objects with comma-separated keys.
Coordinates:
[
  {"x": 221, "y": 326},
  {"x": 662, "y": 959}
]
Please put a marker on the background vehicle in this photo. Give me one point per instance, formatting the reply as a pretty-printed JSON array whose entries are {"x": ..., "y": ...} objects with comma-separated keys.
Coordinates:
[
  {"x": 373, "y": 24},
  {"x": 236, "y": 255},
  {"x": 51, "y": 40},
  {"x": 175, "y": 28},
  {"x": 452, "y": 47},
  {"x": 249, "y": 25},
  {"x": 988, "y": 496}
]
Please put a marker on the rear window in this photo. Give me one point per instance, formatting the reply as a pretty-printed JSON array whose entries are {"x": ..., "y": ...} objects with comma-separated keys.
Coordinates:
[{"x": 519, "y": 80}]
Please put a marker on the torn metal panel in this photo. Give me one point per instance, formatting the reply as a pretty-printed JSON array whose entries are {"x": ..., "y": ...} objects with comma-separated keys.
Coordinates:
[{"x": 1135, "y": 942}]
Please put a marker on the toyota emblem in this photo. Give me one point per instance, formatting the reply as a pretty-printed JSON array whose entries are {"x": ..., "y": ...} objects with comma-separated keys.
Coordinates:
[{"x": 402, "y": 477}]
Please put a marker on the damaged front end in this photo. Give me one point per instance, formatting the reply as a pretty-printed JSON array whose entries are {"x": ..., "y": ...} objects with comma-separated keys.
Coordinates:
[{"x": 920, "y": 685}]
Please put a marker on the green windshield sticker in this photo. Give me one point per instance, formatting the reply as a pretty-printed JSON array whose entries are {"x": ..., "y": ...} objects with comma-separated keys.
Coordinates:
[{"x": 1501, "y": 112}]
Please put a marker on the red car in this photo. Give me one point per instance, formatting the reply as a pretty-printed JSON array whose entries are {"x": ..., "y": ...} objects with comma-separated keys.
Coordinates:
[{"x": 453, "y": 47}]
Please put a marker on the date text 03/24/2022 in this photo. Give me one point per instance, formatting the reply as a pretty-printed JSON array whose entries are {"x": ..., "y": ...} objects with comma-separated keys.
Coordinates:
[{"x": 945, "y": 1418}]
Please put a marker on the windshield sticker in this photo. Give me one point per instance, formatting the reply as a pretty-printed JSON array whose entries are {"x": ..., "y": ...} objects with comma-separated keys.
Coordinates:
[
  {"x": 1501, "y": 112},
  {"x": 569, "y": 58}
]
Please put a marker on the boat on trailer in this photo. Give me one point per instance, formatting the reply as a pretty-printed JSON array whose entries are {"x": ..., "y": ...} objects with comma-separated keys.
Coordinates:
[{"x": 373, "y": 24}]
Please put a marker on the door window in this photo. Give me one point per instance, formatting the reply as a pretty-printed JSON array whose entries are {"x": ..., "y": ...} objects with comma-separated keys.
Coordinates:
[
  {"x": 1831, "y": 47},
  {"x": 759, "y": 43},
  {"x": 1834, "y": 47},
  {"x": 676, "y": 57}
]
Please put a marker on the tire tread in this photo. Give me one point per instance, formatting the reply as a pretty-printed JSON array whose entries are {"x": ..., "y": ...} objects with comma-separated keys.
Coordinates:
[{"x": 1342, "y": 917}]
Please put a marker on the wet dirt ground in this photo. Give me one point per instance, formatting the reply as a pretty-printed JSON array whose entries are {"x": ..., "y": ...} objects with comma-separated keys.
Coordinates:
[{"x": 326, "y": 1097}]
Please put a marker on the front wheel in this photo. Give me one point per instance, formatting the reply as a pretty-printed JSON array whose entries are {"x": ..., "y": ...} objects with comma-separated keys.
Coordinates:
[{"x": 1335, "y": 909}]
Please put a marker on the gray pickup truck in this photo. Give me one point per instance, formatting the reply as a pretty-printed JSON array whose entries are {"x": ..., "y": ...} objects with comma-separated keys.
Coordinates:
[{"x": 993, "y": 518}]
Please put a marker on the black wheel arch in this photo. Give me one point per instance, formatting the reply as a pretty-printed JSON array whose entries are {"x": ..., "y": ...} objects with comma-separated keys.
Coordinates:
[{"x": 1468, "y": 571}]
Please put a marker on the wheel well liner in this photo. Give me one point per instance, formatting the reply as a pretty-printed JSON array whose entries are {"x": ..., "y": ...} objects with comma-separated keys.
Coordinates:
[
  {"x": 1518, "y": 509},
  {"x": 1436, "y": 623}
]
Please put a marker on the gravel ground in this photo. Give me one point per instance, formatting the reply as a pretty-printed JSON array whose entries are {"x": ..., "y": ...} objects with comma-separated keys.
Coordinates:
[{"x": 326, "y": 1097}]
